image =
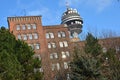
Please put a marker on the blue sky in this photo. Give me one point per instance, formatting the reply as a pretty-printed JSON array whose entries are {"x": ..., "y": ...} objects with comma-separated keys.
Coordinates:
[{"x": 98, "y": 15}]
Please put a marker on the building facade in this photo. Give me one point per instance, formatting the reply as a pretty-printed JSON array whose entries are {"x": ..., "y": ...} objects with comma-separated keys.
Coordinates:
[{"x": 52, "y": 44}]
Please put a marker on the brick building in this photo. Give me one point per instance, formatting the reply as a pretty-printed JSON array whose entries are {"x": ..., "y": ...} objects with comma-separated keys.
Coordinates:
[{"x": 52, "y": 44}]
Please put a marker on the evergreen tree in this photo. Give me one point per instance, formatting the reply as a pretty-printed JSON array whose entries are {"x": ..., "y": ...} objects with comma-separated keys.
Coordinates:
[
  {"x": 86, "y": 64},
  {"x": 113, "y": 65},
  {"x": 92, "y": 46},
  {"x": 16, "y": 59}
]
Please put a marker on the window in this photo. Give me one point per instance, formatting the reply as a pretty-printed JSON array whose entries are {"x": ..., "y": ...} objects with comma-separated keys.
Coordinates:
[
  {"x": 35, "y": 36},
  {"x": 55, "y": 55},
  {"x": 61, "y": 34},
  {"x": 34, "y": 26},
  {"x": 31, "y": 45},
  {"x": 51, "y": 45},
  {"x": 30, "y": 36},
  {"x": 37, "y": 56},
  {"x": 24, "y": 37},
  {"x": 19, "y": 36},
  {"x": 51, "y": 56},
  {"x": 53, "y": 67},
  {"x": 23, "y": 27},
  {"x": 28, "y": 26},
  {"x": 38, "y": 69},
  {"x": 49, "y": 35},
  {"x": 65, "y": 54},
  {"x": 63, "y": 44},
  {"x": 37, "y": 46},
  {"x": 18, "y": 27},
  {"x": 65, "y": 65},
  {"x": 58, "y": 66}
]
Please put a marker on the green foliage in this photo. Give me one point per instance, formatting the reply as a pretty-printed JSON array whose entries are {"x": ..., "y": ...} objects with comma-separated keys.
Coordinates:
[
  {"x": 86, "y": 64},
  {"x": 16, "y": 59},
  {"x": 92, "y": 46},
  {"x": 113, "y": 65}
]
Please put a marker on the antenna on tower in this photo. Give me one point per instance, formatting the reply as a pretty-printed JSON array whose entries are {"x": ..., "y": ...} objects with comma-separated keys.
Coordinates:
[{"x": 67, "y": 5}]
